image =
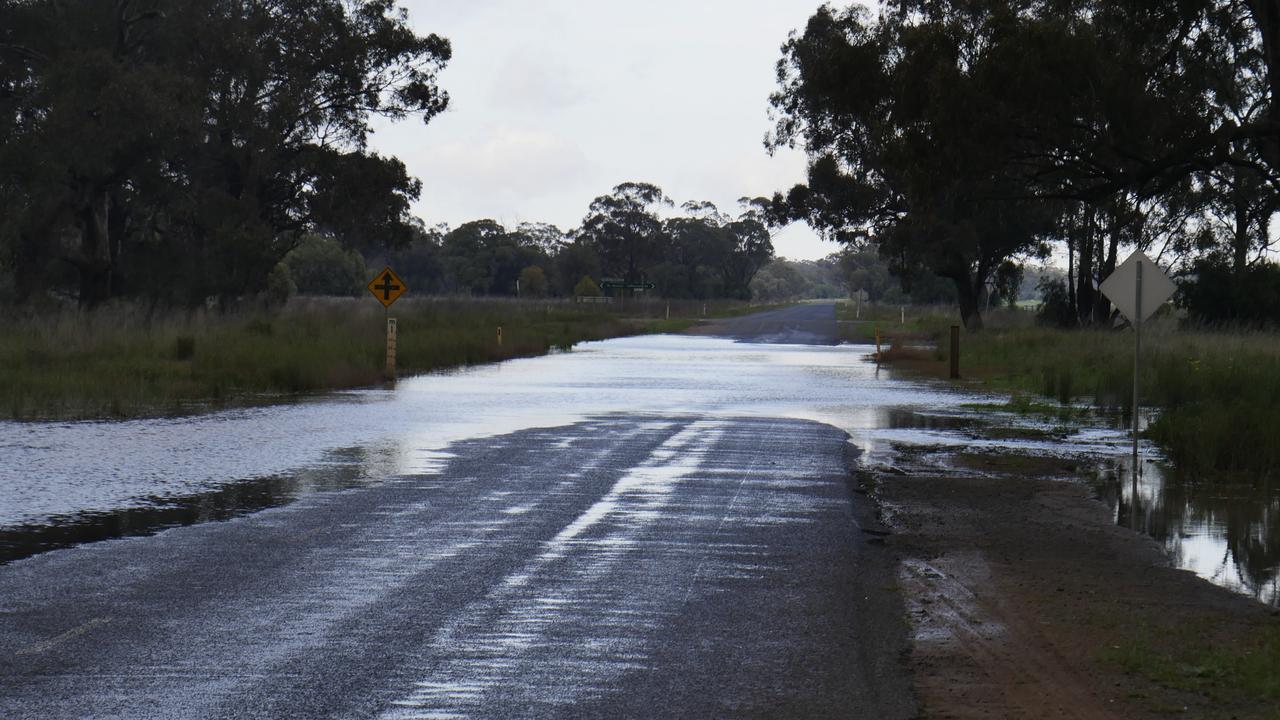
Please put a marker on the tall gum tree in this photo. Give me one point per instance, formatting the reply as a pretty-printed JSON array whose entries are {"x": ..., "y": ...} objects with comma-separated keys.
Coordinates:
[{"x": 904, "y": 149}]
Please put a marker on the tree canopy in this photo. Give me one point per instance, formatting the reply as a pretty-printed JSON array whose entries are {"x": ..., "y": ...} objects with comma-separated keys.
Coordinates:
[
  {"x": 179, "y": 151},
  {"x": 958, "y": 135}
]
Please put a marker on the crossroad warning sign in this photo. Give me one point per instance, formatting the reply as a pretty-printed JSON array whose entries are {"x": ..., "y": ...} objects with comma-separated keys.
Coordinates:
[{"x": 387, "y": 287}]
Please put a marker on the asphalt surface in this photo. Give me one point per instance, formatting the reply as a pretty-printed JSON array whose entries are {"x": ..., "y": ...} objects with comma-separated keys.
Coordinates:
[
  {"x": 628, "y": 566},
  {"x": 806, "y": 324}
]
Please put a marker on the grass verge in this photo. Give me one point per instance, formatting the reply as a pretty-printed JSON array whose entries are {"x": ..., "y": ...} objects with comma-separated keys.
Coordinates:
[
  {"x": 126, "y": 362},
  {"x": 1215, "y": 390}
]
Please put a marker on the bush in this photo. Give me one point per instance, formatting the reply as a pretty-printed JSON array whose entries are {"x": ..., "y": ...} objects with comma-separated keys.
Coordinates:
[
  {"x": 1055, "y": 304},
  {"x": 587, "y": 287},
  {"x": 280, "y": 286},
  {"x": 533, "y": 282},
  {"x": 320, "y": 266},
  {"x": 1218, "y": 294}
]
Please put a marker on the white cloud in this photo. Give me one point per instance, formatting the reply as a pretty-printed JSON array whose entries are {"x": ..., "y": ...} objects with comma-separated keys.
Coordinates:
[{"x": 555, "y": 102}]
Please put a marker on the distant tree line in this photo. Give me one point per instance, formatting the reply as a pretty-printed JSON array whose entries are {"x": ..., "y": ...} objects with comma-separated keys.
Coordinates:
[
  {"x": 182, "y": 152},
  {"x": 853, "y": 272},
  {"x": 700, "y": 252},
  {"x": 959, "y": 137}
]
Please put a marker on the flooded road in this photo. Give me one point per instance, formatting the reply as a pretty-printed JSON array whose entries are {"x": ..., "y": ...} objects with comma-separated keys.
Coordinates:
[
  {"x": 659, "y": 526},
  {"x": 126, "y": 477},
  {"x": 649, "y": 526}
]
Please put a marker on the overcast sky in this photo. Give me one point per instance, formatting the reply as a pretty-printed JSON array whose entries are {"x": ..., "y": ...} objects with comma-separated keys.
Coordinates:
[{"x": 555, "y": 102}]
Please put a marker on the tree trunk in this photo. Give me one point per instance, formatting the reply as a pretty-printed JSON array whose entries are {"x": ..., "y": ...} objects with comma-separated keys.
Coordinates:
[
  {"x": 94, "y": 258},
  {"x": 970, "y": 298},
  {"x": 1084, "y": 272},
  {"x": 1240, "y": 234},
  {"x": 1071, "y": 274},
  {"x": 1108, "y": 267}
]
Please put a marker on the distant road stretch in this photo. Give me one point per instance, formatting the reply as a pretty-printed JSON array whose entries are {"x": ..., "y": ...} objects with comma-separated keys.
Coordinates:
[{"x": 806, "y": 324}]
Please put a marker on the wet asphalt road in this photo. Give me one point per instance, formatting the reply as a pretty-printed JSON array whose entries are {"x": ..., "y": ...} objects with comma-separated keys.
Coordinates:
[
  {"x": 630, "y": 565},
  {"x": 807, "y": 324}
]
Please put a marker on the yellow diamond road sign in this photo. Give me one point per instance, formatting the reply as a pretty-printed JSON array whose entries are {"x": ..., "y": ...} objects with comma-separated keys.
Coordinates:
[{"x": 387, "y": 287}]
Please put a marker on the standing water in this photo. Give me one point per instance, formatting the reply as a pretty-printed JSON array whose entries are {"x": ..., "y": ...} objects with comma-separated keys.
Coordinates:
[{"x": 62, "y": 484}]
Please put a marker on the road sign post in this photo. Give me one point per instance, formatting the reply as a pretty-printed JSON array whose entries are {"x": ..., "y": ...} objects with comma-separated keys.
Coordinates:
[
  {"x": 391, "y": 348},
  {"x": 387, "y": 287},
  {"x": 1137, "y": 288}
]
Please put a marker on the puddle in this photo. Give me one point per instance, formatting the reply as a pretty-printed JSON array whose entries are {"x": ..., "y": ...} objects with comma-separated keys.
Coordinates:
[
  {"x": 149, "y": 515},
  {"x": 1223, "y": 532}
]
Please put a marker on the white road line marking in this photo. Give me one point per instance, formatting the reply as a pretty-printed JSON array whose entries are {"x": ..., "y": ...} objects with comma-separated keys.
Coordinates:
[{"x": 73, "y": 633}]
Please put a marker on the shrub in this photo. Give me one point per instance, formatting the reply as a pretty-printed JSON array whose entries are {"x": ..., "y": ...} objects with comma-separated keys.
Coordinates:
[
  {"x": 587, "y": 287},
  {"x": 320, "y": 266}
]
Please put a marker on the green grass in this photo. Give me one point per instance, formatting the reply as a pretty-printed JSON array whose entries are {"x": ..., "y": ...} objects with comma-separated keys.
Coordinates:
[
  {"x": 124, "y": 361},
  {"x": 1215, "y": 390},
  {"x": 1192, "y": 659},
  {"x": 859, "y": 325}
]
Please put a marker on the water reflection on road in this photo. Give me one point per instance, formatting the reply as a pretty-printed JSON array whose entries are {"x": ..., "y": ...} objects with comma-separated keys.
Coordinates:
[{"x": 62, "y": 484}]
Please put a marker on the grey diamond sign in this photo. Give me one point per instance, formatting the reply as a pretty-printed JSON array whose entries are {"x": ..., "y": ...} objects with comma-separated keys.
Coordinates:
[{"x": 1121, "y": 287}]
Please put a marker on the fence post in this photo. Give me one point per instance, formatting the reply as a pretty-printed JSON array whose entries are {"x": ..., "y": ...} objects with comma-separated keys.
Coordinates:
[{"x": 955, "y": 352}]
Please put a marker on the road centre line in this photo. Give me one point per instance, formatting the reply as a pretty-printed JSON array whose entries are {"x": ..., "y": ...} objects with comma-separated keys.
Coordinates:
[{"x": 71, "y": 634}]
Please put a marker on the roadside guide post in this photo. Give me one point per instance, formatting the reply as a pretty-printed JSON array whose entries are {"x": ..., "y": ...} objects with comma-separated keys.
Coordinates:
[
  {"x": 955, "y": 352},
  {"x": 1137, "y": 288},
  {"x": 391, "y": 348},
  {"x": 387, "y": 287}
]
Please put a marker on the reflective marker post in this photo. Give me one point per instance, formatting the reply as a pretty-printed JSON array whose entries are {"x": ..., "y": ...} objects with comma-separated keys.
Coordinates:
[
  {"x": 955, "y": 352},
  {"x": 391, "y": 348}
]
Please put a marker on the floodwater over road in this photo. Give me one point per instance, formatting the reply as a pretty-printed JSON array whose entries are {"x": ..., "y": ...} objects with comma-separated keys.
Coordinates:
[
  {"x": 67, "y": 483},
  {"x": 108, "y": 477},
  {"x": 649, "y": 526}
]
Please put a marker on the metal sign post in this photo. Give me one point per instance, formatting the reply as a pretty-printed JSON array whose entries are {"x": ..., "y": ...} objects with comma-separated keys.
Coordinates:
[
  {"x": 1137, "y": 356},
  {"x": 1137, "y": 288}
]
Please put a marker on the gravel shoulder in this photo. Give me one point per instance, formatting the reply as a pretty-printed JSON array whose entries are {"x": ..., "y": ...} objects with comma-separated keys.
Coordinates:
[{"x": 1027, "y": 601}]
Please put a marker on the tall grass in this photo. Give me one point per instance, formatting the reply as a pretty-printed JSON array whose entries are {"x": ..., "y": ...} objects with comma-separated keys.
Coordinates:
[
  {"x": 1216, "y": 389},
  {"x": 125, "y": 361}
]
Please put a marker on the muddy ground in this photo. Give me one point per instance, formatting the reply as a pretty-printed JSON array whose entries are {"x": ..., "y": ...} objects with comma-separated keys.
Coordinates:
[{"x": 1027, "y": 601}]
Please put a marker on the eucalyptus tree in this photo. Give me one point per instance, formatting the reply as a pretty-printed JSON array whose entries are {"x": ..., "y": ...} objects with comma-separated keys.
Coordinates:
[
  {"x": 896, "y": 113},
  {"x": 625, "y": 229}
]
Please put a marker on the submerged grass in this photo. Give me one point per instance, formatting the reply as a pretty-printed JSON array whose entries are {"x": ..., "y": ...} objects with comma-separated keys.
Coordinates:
[
  {"x": 1215, "y": 390},
  {"x": 124, "y": 361}
]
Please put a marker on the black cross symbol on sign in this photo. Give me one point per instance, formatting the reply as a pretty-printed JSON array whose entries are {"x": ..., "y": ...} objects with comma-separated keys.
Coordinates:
[{"x": 387, "y": 287}]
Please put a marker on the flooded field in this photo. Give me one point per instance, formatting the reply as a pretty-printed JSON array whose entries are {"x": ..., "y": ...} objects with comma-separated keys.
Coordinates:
[{"x": 63, "y": 484}]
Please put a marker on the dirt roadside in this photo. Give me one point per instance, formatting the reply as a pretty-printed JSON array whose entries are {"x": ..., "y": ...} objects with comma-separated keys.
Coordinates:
[{"x": 1027, "y": 601}]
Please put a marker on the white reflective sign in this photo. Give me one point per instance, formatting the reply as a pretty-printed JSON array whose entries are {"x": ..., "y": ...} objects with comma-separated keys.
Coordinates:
[{"x": 1121, "y": 287}]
